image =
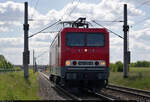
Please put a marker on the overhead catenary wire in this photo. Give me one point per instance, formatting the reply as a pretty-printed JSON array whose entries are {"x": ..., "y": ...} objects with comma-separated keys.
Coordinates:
[
  {"x": 65, "y": 12},
  {"x": 108, "y": 29},
  {"x": 74, "y": 8},
  {"x": 38, "y": 19},
  {"x": 42, "y": 54},
  {"x": 35, "y": 8},
  {"x": 140, "y": 21},
  {"x": 51, "y": 32},
  {"x": 109, "y": 21},
  {"x": 53, "y": 23},
  {"x": 38, "y": 57},
  {"x": 136, "y": 8},
  {"x": 44, "y": 29},
  {"x": 145, "y": 2}
]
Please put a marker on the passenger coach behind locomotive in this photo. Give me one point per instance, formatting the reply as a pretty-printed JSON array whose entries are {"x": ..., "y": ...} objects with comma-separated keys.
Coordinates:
[{"x": 79, "y": 57}]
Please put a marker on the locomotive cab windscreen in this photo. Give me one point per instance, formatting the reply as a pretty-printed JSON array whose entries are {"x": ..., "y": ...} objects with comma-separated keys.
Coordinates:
[{"x": 85, "y": 39}]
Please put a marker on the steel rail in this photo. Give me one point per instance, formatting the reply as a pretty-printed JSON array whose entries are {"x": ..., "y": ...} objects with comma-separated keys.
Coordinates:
[
  {"x": 103, "y": 96},
  {"x": 68, "y": 93},
  {"x": 131, "y": 91},
  {"x": 58, "y": 88}
]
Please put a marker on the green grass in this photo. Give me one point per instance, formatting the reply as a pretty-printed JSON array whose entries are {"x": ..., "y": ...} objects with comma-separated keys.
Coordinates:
[
  {"x": 13, "y": 86},
  {"x": 138, "y": 78}
]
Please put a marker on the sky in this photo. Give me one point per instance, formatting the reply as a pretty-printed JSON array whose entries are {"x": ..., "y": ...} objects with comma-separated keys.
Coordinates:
[{"x": 46, "y": 12}]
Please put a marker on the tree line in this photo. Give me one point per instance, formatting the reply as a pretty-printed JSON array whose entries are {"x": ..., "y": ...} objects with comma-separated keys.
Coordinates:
[
  {"x": 118, "y": 66},
  {"x": 141, "y": 64},
  {"x": 4, "y": 64}
]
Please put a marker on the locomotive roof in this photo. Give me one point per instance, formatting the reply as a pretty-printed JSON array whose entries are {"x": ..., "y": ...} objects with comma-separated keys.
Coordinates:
[{"x": 70, "y": 29}]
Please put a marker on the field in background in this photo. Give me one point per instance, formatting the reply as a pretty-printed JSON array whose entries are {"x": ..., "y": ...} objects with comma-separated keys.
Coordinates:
[
  {"x": 138, "y": 78},
  {"x": 13, "y": 86}
]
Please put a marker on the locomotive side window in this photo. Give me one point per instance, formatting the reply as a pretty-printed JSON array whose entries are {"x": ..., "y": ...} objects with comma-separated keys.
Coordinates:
[
  {"x": 95, "y": 39},
  {"x": 75, "y": 39},
  {"x": 58, "y": 40}
]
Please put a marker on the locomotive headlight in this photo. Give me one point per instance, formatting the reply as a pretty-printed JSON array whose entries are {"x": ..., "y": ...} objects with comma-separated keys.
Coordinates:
[
  {"x": 102, "y": 63},
  {"x": 68, "y": 63}
]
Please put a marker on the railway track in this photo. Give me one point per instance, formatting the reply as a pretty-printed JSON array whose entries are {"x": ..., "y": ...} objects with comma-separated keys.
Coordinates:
[
  {"x": 119, "y": 93},
  {"x": 136, "y": 93},
  {"x": 78, "y": 97},
  {"x": 105, "y": 97},
  {"x": 61, "y": 90}
]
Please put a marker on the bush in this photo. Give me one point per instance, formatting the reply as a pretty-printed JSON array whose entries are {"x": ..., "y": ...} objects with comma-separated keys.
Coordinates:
[
  {"x": 4, "y": 64},
  {"x": 141, "y": 64},
  {"x": 17, "y": 68},
  {"x": 113, "y": 67},
  {"x": 117, "y": 67}
]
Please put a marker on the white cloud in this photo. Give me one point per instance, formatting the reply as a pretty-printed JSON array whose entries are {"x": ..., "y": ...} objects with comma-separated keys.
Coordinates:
[
  {"x": 12, "y": 17},
  {"x": 15, "y": 42},
  {"x": 147, "y": 23},
  {"x": 4, "y": 29},
  {"x": 105, "y": 10}
]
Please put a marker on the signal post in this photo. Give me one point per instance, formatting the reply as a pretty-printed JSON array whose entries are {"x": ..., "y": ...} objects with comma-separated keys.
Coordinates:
[
  {"x": 26, "y": 52},
  {"x": 126, "y": 52}
]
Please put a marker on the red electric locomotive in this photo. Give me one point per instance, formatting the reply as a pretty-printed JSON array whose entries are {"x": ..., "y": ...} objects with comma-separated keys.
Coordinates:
[{"x": 79, "y": 56}]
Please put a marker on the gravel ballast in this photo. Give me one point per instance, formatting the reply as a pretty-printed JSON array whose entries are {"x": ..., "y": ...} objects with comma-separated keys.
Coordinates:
[{"x": 46, "y": 91}]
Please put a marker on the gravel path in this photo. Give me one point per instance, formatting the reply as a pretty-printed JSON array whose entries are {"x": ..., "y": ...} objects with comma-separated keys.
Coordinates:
[{"x": 46, "y": 91}]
